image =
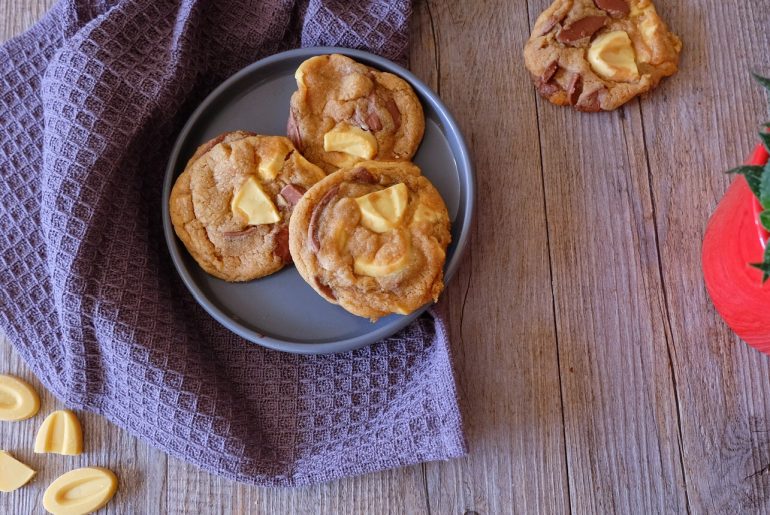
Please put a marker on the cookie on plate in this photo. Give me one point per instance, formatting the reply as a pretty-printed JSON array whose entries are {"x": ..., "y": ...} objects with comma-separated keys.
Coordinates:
[
  {"x": 344, "y": 112},
  {"x": 596, "y": 55},
  {"x": 372, "y": 238},
  {"x": 232, "y": 203}
]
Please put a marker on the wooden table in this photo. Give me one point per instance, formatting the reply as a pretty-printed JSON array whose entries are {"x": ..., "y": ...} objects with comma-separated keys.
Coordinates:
[{"x": 595, "y": 375}]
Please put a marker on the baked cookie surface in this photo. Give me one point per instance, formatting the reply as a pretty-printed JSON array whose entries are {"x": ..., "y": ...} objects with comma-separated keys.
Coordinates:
[
  {"x": 232, "y": 203},
  {"x": 344, "y": 112},
  {"x": 596, "y": 55},
  {"x": 372, "y": 238}
]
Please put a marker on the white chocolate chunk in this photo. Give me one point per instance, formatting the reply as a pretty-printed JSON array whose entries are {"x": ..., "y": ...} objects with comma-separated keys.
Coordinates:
[
  {"x": 612, "y": 57},
  {"x": 271, "y": 165},
  {"x": 60, "y": 433},
  {"x": 13, "y": 473},
  {"x": 351, "y": 140},
  {"x": 18, "y": 400},
  {"x": 252, "y": 203},
  {"x": 80, "y": 491},
  {"x": 382, "y": 210}
]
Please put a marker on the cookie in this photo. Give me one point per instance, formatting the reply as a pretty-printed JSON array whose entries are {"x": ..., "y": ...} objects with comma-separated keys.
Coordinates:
[
  {"x": 232, "y": 203},
  {"x": 372, "y": 238},
  {"x": 596, "y": 55},
  {"x": 344, "y": 112}
]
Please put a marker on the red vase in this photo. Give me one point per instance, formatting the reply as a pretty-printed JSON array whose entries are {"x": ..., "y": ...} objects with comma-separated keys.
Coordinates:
[{"x": 734, "y": 239}]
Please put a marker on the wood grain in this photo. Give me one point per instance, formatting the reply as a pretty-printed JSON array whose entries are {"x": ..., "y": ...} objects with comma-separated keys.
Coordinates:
[
  {"x": 595, "y": 376},
  {"x": 501, "y": 309}
]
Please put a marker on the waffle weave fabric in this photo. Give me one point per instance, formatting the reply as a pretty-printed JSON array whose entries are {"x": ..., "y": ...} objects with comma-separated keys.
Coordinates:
[{"x": 91, "y": 100}]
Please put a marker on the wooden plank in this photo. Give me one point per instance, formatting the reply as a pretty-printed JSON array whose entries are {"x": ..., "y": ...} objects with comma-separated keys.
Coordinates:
[
  {"x": 141, "y": 469},
  {"x": 619, "y": 402},
  {"x": 722, "y": 383},
  {"x": 501, "y": 308}
]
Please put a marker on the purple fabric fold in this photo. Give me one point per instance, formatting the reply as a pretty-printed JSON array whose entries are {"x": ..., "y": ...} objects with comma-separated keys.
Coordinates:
[{"x": 91, "y": 100}]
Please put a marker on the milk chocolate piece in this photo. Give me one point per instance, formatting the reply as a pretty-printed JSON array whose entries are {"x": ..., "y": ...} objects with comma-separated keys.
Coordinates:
[
  {"x": 392, "y": 108},
  {"x": 575, "y": 88},
  {"x": 292, "y": 131},
  {"x": 282, "y": 245},
  {"x": 550, "y": 71},
  {"x": 373, "y": 122},
  {"x": 616, "y": 8},
  {"x": 589, "y": 103},
  {"x": 363, "y": 175},
  {"x": 324, "y": 288},
  {"x": 315, "y": 243},
  {"x": 292, "y": 193},
  {"x": 580, "y": 29}
]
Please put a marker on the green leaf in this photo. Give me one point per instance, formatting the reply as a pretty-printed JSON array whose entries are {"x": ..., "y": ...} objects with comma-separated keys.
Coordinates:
[
  {"x": 764, "y": 188},
  {"x": 753, "y": 176},
  {"x": 762, "y": 80},
  {"x": 764, "y": 218},
  {"x": 764, "y": 265},
  {"x": 766, "y": 138}
]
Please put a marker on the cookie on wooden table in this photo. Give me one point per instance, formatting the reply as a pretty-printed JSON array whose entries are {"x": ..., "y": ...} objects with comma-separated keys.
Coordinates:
[
  {"x": 232, "y": 203},
  {"x": 596, "y": 55},
  {"x": 344, "y": 112},
  {"x": 372, "y": 238}
]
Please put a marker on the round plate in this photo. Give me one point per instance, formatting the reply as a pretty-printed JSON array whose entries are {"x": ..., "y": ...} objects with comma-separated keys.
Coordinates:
[{"x": 281, "y": 311}]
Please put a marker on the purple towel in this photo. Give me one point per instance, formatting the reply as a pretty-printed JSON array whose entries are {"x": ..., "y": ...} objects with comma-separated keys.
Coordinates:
[{"x": 91, "y": 100}]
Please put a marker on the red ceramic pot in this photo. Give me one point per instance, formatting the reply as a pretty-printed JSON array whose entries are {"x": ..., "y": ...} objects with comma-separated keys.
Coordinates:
[{"x": 734, "y": 239}]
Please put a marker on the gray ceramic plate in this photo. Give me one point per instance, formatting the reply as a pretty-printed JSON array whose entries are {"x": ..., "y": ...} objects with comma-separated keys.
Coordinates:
[{"x": 281, "y": 311}]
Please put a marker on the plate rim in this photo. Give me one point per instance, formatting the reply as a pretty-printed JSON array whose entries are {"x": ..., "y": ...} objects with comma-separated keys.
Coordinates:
[{"x": 460, "y": 153}]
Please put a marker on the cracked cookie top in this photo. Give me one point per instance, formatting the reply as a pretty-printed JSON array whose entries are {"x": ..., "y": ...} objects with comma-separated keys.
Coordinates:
[
  {"x": 232, "y": 203},
  {"x": 344, "y": 112},
  {"x": 596, "y": 55},
  {"x": 372, "y": 238}
]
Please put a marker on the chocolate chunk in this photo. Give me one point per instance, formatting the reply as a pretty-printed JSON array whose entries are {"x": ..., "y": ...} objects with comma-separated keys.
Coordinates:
[
  {"x": 292, "y": 193},
  {"x": 325, "y": 289},
  {"x": 589, "y": 103},
  {"x": 549, "y": 71},
  {"x": 575, "y": 88},
  {"x": 582, "y": 28},
  {"x": 547, "y": 89},
  {"x": 392, "y": 108},
  {"x": 616, "y": 8},
  {"x": 292, "y": 131},
  {"x": 282, "y": 245},
  {"x": 315, "y": 243},
  {"x": 363, "y": 176},
  {"x": 373, "y": 122},
  {"x": 244, "y": 232}
]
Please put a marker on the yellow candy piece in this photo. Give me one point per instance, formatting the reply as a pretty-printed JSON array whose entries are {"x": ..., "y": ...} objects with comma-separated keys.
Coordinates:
[
  {"x": 13, "y": 473},
  {"x": 80, "y": 491},
  {"x": 60, "y": 434},
  {"x": 18, "y": 400},
  {"x": 382, "y": 210},
  {"x": 351, "y": 140},
  {"x": 254, "y": 204},
  {"x": 612, "y": 57}
]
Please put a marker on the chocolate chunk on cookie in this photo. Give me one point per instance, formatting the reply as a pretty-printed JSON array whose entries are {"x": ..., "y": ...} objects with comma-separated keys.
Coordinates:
[
  {"x": 596, "y": 55},
  {"x": 344, "y": 112},
  {"x": 372, "y": 238},
  {"x": 232, "y": 203}
]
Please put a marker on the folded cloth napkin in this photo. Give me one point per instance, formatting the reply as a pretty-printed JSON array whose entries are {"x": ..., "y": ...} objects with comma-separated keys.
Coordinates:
[{"x": 91, "y": 100}]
